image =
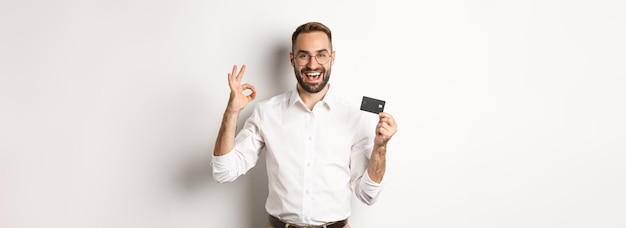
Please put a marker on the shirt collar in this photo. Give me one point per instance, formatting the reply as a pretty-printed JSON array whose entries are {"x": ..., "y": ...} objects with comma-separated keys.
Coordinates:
[{"x": 329, "y": 99}]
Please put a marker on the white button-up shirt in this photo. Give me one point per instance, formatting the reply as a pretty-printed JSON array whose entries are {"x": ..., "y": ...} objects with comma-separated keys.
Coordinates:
[{"x": 315, "y": 159}]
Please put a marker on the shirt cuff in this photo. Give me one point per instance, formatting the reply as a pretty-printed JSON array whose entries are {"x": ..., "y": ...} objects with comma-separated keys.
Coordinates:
[
  {"x": 370, "y": 183},
  {"x": 369, "y": 190},
  {"x": 223, "y": 163}
]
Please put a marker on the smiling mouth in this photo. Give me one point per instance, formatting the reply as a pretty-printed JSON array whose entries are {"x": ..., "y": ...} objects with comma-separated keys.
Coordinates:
[{"x": 313, "y": 75}]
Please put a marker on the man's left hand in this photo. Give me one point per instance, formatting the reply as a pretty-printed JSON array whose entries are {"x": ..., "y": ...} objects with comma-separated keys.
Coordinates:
[{"x": 385, "y": 129}]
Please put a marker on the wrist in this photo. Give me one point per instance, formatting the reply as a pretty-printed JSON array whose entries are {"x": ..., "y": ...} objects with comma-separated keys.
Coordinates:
[
  {"x": 380, "y": 149},
  {"x": 231, "y": 111},
  {"x": 230, "y": 115}
]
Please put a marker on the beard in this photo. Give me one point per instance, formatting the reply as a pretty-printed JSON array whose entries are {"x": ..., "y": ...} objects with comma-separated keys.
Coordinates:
[{"x": 312, "y": 87}]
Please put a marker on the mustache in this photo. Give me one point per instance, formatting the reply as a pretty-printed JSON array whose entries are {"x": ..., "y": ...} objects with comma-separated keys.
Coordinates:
[{"x": 307, "y": 69}]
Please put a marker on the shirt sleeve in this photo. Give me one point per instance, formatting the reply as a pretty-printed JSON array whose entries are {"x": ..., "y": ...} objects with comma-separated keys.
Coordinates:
[
  {"x": 365, "y": 189},
  {"x": 245, "y": 153},
  {"x": 370, "y": 190}
]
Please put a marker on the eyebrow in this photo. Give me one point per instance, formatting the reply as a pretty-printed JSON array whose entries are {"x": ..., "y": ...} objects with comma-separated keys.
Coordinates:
[{"x": 318, "y": 51}]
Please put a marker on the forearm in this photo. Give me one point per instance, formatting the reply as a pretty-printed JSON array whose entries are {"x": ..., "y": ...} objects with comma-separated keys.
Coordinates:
[
  {"x": 377, "y": 163},
  {"x": 226, "y": 137}
]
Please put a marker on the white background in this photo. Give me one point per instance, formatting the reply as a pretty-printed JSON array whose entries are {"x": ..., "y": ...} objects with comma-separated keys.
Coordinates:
[{"x": 511, "y": 113}]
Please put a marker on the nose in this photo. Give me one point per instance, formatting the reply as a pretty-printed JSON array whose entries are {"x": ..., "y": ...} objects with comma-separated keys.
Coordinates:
[{"x": 312, "y": 62}]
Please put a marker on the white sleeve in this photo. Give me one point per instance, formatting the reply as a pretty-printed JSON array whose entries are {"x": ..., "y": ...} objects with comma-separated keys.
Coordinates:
[
  {"x": 245, "y": 153},
  {"x": 366, "y": 190}
]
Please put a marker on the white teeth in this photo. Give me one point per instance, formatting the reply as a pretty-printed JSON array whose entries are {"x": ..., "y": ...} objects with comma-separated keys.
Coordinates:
[{"x": 313, "y": 74}]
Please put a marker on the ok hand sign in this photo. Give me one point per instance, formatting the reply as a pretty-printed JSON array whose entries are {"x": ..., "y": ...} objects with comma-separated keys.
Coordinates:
[{"x": 238, "y": 99}]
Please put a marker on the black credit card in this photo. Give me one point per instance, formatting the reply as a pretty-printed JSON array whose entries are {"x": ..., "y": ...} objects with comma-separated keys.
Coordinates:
[{"x": 372, "y": 105}]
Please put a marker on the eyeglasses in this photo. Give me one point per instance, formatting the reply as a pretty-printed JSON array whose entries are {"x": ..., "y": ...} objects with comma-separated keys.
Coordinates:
[{"x": 303, "y": 58}]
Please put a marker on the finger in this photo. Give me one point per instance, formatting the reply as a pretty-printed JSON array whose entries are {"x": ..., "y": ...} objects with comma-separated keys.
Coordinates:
[
  {"x": 253, "y": 94},
  {"x": 250, "y": 87},
  {"x": 384, "y": 135},
  {"x": 241, "y": 72},
  {"x": 386, "y": 122},
  {"x": 385, "y": 119},
  {"x": 388, "y": 119},
  {"x": 384, "y": 115},
  {"x": 384, "y": 125},
  {"x": 231, "y": 79},
  {"x": 247, "y": 86},
  {"x": 391, "y": 130},
  {"x": 232, "y": 74}
]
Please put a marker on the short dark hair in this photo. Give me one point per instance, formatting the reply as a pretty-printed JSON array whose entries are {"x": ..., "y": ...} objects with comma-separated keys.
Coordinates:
[{"x": 311, "y": 27}]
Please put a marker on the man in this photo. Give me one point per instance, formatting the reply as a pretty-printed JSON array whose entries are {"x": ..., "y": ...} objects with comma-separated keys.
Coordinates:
[{"x": 319, "y": 149}]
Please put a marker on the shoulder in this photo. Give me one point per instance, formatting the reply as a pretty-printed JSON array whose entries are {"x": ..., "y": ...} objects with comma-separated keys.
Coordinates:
[{"x": 274, "y": 102}]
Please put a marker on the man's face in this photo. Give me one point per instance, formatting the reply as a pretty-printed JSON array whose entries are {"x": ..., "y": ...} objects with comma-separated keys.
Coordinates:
[{"x": 310, "y": 47}]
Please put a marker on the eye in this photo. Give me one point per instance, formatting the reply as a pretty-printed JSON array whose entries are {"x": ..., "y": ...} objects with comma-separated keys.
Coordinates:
[
  {"x": 302, "y": 56},
  {"x": 322, "y": 55}
]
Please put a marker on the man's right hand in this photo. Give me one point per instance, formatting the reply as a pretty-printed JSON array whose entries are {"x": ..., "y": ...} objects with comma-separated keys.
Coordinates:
[{"x": 238, "y": 99}]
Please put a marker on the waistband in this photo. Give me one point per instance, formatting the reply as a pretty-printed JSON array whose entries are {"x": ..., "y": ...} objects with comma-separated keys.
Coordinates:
[{"x": 277, "y": 223}]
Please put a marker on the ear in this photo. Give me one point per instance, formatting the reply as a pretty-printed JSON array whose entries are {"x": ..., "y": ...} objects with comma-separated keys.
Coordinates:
[{"x": 291, "y": 59}]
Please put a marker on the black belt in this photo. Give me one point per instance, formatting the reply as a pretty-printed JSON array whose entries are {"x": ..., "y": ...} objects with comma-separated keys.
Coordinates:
[{"x": 277, "y": 223}]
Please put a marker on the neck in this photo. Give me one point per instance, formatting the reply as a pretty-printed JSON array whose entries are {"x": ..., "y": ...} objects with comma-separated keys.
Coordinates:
[{"x": 310, "y": 99}]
